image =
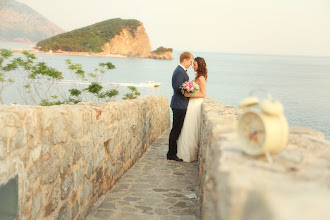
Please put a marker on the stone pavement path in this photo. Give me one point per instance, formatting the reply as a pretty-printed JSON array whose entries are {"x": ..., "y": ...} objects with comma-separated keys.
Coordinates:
[{"x": 154, "y": 188}]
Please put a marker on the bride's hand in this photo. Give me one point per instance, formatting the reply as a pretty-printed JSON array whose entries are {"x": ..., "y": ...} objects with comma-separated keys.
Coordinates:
[{"x": 186, "y": 94}]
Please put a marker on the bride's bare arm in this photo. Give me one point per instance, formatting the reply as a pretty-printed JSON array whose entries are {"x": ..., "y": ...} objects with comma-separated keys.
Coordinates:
[{"x": 202, "y": 89}]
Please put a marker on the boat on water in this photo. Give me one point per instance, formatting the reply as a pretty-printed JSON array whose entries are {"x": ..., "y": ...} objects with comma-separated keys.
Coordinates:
[{"x": 154, "y": 84}]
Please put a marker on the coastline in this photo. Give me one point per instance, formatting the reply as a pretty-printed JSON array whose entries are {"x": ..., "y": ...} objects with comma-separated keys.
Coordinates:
[
  {"x": 34, "y": 51},
  {"x": 31, "y": 48},
  {"x": 149, "y": 56}
]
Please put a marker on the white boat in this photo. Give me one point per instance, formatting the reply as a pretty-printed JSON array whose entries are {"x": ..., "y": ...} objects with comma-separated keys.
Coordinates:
[{"x": 154, "y": 84}]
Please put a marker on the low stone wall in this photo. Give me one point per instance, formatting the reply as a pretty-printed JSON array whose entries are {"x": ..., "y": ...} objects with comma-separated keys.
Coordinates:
[
  {"x": 235, "y": 186},
  {"x": 67, "y": 156}
]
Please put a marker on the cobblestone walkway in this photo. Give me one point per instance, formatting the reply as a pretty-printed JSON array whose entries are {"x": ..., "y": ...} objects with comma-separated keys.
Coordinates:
[{"x": 154, "y": 188}]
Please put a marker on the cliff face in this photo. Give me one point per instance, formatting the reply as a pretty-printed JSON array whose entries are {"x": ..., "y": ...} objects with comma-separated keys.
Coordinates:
[
  {"x": 18, "y": 22},
  {"x": 128, "y": 45},
  {"x": 133, "y": 46}
]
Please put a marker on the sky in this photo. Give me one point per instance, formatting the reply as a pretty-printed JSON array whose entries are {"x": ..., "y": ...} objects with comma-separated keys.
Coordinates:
[{"x": 288, "y": 27}]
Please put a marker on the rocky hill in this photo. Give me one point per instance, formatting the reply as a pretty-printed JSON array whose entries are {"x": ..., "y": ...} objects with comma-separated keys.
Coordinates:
[
  {"x": 126, "y": 37},
  {"x": 19, "y": 22}
]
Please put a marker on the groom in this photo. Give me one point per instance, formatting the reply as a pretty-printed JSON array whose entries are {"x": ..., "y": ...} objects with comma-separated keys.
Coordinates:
[{"x": 179, "y": 103}]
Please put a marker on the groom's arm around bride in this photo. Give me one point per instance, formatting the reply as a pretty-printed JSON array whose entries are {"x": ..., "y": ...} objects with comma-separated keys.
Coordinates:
[{"x": 179, "y": 103}]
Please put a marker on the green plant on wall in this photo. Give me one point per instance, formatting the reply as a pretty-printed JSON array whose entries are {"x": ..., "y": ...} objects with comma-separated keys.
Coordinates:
[
  {"x": 5, "y": 81},
  {"x": 39, "y": 84},
  {"x": 35, "y": 81},
  {"x": 133, "y": 94},
  {"x": 94, "y": 90}
]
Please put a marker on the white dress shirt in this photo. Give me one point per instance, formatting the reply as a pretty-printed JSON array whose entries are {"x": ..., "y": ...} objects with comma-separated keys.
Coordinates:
[{"x": 183, "y": 67}]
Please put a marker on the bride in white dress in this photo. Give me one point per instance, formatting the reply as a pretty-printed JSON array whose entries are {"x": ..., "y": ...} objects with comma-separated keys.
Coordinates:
[{"x": 188, "y": 141}]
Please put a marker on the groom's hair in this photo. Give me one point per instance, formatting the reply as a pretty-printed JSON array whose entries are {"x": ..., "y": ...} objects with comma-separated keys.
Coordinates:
[{"x": 185, "y": 55}]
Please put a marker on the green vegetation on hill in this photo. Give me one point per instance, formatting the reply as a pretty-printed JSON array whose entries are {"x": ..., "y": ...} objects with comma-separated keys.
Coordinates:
[
  {"x": 90, "y": 38},
  {"x": 161, "y": 50}
]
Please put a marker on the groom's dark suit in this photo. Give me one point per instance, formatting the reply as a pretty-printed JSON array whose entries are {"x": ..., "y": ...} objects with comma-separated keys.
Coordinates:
[{"x": 179, "y": 106}]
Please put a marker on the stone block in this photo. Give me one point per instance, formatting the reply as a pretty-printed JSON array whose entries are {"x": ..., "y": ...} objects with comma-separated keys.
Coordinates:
[
  {"x": 59, "y": 128},
  {"x": 107, "y": 146},
  {"x": 33, "y": 174},
  {"x": 112, "y": 144},
  {"x": 86, "y": 149},
  {"x": 36, "y": 205},
  {"x": 75, "y": 209},
  {"x": 95, "y": 188},
  {"x": 46, "y": 116},
  {"x": 20, "y": 139},
  {"x": 87, "y": 190},
  {"x": 77, "y": 152},
  {"x": 99, "y": 156},
  {"x": 3, "y": 148},
  {"x": 101, "y": 128},
  {"x": 109, "y": 166},
  {"x": 89, "y": 167},
  {"x": 44, "y": 138},
  {"x": 66, "y": 159},
  {"x": 53, "y": 200},
  {"x": 107, "y": 133},
  {"x": 64, "y": 213},
  {"x": 32, "y": 123},
  {"x": 96, "y": 135},
  {"x": 87, "y": 121},
  {"x": 79, "y": 177},
  {"x": 119, "y": 115},
  {"x": 35, "y": 152},
  {"x": 10, "y": 119},
  {"x": 49, "y": 169},
  {"x": 76, "y": 124},
  {"x": 67, "y": 185},
  {"x": 99, "y": 175},
  {"x": 81, "y": 194}
]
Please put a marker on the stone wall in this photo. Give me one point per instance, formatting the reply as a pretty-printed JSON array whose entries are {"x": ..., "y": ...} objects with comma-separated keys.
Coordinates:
[
  {"x": 67, "y": 156},
  {"x": 235, "y": 186}
]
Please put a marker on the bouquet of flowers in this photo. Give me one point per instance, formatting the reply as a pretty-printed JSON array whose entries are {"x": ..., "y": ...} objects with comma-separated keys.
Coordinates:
[{"x": 190, "y": 87}]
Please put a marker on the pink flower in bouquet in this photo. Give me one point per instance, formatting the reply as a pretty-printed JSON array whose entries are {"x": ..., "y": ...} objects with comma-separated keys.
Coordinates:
[{"x": 189, "y": 87}]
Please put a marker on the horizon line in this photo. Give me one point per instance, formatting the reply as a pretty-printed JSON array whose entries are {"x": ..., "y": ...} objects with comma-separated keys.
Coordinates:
[{"x": 221, "y": 52}]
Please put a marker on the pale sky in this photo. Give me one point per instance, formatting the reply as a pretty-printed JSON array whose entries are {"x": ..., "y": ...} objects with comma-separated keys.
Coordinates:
[{"x": 294, "y": 27}]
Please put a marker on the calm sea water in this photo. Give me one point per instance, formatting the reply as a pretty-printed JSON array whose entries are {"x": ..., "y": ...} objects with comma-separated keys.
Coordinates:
[{"x": 301, "y": 83}]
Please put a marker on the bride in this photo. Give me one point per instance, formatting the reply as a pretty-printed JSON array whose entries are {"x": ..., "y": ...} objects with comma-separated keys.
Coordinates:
[{"x": 189, "y": 138}]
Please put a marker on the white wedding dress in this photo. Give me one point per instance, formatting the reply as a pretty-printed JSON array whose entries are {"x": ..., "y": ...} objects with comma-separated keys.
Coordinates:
[{"x": 189, "y": 137}]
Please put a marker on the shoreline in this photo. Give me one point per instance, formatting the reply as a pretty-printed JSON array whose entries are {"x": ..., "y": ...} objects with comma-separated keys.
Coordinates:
[
  {"x": 31, "y": 49},
  {"x": 86, "y": 54},
  {"x": 90, "y": 54}
]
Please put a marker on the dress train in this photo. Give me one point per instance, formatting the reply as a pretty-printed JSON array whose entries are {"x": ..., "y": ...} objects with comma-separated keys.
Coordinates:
[{"x": 188, "y": 141}]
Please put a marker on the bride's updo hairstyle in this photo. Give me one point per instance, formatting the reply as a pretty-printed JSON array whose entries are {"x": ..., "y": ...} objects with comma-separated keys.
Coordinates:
[{"x": 201, "y": 70}]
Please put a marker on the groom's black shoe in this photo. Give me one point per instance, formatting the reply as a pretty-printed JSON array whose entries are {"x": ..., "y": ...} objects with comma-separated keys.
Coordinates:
[{"x": 174, "y": 158}]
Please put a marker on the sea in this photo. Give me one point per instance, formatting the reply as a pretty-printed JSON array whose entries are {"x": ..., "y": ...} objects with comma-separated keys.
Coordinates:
[{"x": 300, "y": 83}]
